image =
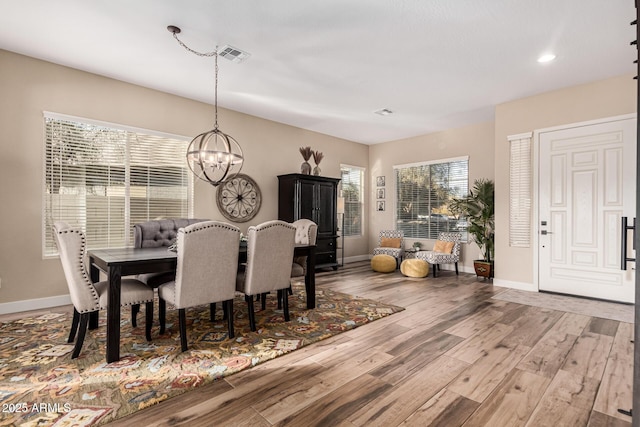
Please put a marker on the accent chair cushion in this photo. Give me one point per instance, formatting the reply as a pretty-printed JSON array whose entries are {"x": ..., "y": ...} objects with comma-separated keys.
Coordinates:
[
  {"x": 390, "y": 242},
  {"x": 443, "y": 246},
  {"x": 414, "y": 268},
  {"x": 383, "y": 263}
]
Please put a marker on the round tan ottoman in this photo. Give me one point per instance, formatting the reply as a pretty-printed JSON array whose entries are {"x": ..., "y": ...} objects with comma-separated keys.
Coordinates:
[
  {"x": 383, "y": 263},
  {"x": 414, "y": 268}
]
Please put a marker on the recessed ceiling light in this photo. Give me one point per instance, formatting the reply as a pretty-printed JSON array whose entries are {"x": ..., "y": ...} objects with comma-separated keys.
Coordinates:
[
  {"x": 547, "y": 57},
  {"x": 384, "y": 112}
]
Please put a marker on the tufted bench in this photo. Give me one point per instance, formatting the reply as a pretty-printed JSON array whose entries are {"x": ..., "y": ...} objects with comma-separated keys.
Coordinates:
[{"x": 160, "y": 232}]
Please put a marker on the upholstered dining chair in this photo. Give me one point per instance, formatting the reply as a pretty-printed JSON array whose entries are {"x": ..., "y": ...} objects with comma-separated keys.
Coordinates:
[
  {"x": 391, "y": 242},
  {"x": 206, "y": 272},
  {"x": 446, "y": 250},
  {"x": 155, "y": 234},
  {"x": 306, "y": 234},
  {"x": 270, "y": 249},
  {"x": 88, "y": 297}
]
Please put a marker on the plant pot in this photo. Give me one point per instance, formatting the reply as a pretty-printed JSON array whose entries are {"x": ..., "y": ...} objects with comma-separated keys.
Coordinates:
[{"x": 483, "y": 268}]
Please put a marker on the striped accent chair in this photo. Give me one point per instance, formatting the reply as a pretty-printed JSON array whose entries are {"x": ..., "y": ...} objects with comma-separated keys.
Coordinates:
[
  {"x": 391, "y": 242},
  {"x": 437, "y": 257}
]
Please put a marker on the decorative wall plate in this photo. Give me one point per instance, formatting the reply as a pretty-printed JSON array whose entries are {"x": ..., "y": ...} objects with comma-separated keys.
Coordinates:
[{"x": 239, "y": 198}]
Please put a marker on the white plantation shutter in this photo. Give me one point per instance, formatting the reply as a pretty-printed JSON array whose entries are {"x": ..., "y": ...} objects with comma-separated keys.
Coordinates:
[
  {"x": 352, "y": 191},
  {"x": 520, "y": 190},
  {"x": 104, "y": 178}
]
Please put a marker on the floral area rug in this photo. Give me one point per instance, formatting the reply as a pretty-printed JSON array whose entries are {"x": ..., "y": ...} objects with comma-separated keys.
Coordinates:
[{"x": 40, "y": 385}]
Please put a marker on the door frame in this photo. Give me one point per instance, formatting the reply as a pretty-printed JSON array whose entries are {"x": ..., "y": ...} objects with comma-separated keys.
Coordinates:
[{"x": 535, "y": 147}]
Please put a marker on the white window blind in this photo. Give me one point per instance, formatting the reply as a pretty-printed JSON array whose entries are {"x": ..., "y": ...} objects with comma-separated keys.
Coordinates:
[
  {"x": 352, "y": 191},
  {"x": 423, "y": 192},
  {"x": 104, "y": 179},
  {"x": 520, "y": 181}
]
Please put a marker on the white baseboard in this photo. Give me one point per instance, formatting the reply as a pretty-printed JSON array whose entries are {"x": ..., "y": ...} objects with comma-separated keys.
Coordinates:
[
  {"x": 34, "y": 304},
  {"x": 515, "y": 285},
  {"x": 356, "y": 258}
]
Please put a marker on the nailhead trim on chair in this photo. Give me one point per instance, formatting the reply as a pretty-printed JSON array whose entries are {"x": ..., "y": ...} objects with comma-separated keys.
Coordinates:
[
  {"x": 217, "y": 225},
  {"x": 82, "y": 268}
]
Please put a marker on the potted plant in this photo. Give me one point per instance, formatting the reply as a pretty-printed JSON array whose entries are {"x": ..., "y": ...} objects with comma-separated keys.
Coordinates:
[{"x": 478, "y": 208}]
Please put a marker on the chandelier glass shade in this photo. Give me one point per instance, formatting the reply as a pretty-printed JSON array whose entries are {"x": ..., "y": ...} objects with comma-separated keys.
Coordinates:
[{"x": 212, "y": 156}]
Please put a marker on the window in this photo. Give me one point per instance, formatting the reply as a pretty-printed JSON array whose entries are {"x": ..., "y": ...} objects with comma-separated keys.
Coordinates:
[
  {"x": 520, "y": 190},
  {"x": 105, "y": 178},
  {"x": 423, "y": 191},
  {"x": 352, "y": 191}
]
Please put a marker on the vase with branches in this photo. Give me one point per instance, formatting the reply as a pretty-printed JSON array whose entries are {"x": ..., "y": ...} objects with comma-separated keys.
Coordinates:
[
  {"x": 305, "y": 168},
  {"x": 317, "y": 158}
]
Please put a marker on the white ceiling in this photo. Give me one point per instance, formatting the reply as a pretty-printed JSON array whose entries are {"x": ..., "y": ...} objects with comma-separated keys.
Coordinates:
[{"x": 328, "y": 65}]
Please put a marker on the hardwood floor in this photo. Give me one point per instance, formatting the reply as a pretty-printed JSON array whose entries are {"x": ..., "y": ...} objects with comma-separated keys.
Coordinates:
[{"x": 454, "y": 357}]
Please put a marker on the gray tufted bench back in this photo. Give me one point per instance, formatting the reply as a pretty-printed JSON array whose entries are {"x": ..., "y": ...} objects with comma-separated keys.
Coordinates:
[{"x": 161, "y": 232}]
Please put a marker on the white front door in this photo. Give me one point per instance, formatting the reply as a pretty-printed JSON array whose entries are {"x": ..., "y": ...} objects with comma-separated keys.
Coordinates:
[{"x": 587, "y": 183}]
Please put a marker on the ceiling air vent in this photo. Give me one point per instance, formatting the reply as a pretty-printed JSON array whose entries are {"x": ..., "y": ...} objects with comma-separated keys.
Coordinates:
[{"x": 233, "y": 54}]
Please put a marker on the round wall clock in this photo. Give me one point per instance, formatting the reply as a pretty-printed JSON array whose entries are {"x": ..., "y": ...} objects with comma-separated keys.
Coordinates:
[{"x": 239, "y": 198}]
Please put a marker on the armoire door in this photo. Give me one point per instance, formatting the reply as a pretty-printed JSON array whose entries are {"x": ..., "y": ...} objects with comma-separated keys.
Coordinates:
[{"x": 325, "y": 208}]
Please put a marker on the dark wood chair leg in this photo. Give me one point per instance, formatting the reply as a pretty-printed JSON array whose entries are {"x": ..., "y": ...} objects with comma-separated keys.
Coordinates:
[
  {"x": 290, "y": 290},
  {"x": 84, "y": 321},
  {"x": 148, "y": 311},
  {"x": 263, "y": 302},
  {"x": 182, "y": 315},
  {"x": 212, "y": 312},
  {"x": 435, "y": 269},
  {"x": 252, "y": 314},
  {"x": 162, "y": 315},
  {"x": 456, "y": 269},
  {"x": 285, "y": 304},
  {"x": 135, "y": 309},
  {"x": 93, "y": 320},
  {"x": 74, "y": 325},
  {"x": 228, "y": 308}
]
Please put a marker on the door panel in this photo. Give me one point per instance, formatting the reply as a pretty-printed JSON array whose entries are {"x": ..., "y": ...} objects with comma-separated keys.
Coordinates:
[
  {"x": 587, "y": 183},
  {"x": 326, "y": 209},
  {"x": 306, "y": 197}
]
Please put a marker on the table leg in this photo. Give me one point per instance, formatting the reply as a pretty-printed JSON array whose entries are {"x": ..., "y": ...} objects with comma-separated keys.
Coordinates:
[
  {"x": 310, "y": 278},
  {"x": 95, "y": 277},
  {"x": 113, "y": 315}
]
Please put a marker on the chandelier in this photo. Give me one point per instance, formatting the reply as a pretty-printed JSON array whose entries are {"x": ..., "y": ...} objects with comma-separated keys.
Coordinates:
[{"x": 213, "y": 156}]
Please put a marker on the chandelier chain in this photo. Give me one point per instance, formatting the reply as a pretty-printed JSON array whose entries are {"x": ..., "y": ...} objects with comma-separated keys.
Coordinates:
[
  {"x": 209, "y": 55},
  {"x": 212, "y": 156}
]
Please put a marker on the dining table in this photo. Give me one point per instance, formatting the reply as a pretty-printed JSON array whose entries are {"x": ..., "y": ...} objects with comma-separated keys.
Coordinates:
[{"x": 119, "y": 262}]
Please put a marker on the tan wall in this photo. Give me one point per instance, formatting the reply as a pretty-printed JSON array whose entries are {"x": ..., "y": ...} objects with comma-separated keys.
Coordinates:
[
  {"x": 601, "y": 99},
  {"x": 30, "y": 86},
  {"x": 475, "y": 141}
]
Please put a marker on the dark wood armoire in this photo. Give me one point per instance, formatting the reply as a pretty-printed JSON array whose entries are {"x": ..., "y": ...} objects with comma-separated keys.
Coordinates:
[{"x": 315, "y": 198}]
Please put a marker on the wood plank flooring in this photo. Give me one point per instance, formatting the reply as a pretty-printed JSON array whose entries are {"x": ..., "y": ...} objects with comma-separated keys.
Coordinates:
[{"x": 454, "y": 357}]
